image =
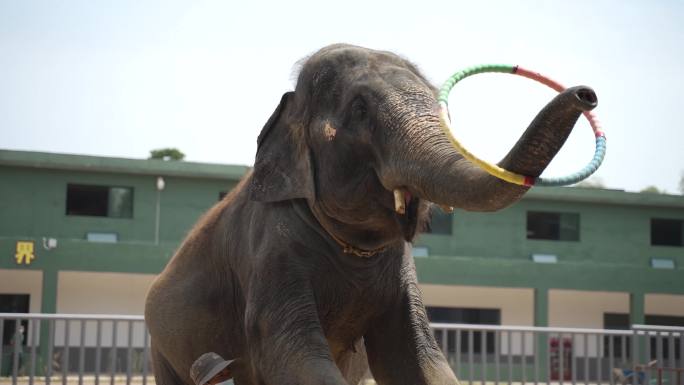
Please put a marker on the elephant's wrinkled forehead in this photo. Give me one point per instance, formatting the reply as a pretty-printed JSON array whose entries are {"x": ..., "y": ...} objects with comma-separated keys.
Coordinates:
[{"x": 339, "y": 65}]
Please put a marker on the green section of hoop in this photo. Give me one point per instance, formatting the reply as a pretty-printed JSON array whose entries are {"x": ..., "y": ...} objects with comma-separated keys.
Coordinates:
[{"x": 460, "y": 75}]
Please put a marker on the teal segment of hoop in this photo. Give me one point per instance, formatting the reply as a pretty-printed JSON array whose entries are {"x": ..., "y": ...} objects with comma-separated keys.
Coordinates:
[
  {"x": 589, "y": 169},
  {"x": 460, "y": 75}
]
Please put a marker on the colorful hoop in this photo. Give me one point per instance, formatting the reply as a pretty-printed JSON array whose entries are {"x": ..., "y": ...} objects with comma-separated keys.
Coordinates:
[{"x": 497, "y": 171}]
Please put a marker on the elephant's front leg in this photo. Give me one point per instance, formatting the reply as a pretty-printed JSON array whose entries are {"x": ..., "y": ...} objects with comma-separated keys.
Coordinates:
[
  {"x": 401, "y": 347},
  {"x": 284, "y": 337}
]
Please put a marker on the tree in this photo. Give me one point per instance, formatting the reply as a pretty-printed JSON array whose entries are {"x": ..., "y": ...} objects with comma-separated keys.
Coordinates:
[
  {"x": 593, "y": 182},
  {"x": 653, "y": 190},
  {"x": 167, "y": 154}
]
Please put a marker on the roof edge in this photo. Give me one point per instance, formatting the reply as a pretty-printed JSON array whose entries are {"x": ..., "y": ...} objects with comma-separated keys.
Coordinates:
[
  {"x": 604, "y": 196},
  {"x": 91, "y": 163},
  {"x": 73, "y": 162}
]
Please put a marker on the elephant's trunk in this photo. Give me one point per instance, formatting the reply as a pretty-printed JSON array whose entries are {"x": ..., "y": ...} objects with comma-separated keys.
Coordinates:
[{"x": 425, "y": 163}]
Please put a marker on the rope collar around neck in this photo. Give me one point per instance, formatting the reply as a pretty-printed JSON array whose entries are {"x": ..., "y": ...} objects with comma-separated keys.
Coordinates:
[{"x": 348, "y": 248}]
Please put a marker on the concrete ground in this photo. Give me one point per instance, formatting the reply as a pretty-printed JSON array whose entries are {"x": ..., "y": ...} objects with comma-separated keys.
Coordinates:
[{"x": 74, "y": 380}]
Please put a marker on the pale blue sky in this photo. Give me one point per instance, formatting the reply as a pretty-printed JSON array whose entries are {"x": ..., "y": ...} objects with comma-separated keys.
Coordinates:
[{"x": 119, "y": 78}]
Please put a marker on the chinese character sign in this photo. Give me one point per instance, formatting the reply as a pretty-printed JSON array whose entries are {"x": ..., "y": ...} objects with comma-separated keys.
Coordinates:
[{"x": 24, "y": 255}]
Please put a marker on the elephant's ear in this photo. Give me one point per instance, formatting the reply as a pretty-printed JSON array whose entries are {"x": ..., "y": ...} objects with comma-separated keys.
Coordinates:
[{"x": 282, "y": 169}]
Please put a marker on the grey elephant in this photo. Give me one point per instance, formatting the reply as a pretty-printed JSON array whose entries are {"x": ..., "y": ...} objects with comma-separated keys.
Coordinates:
[{"x": 303, "y": 272}]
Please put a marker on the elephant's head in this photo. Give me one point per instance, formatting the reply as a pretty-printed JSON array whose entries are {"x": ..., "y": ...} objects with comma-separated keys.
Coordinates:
[{"x": 362, "y": 125}]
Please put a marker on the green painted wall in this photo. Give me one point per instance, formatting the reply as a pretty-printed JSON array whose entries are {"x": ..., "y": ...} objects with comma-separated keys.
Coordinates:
[
  {"x": 614, "y": 234},
  {"x": 485, "y": 249},
  {"x": 33, "y": 203}
]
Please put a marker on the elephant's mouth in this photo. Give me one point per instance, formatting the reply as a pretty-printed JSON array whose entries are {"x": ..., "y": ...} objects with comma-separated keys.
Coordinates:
[{"x": 410, "y": 218}]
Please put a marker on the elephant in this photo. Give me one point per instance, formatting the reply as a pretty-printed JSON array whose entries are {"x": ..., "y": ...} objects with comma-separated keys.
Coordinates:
[{"x": 303, "y": 273}]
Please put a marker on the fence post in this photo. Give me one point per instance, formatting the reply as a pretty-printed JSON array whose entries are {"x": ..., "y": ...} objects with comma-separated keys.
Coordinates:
[
  {"x": 48, "y": 306},
  {"x": 637, "y": 317},
  {"x": 541, "y": 318}
]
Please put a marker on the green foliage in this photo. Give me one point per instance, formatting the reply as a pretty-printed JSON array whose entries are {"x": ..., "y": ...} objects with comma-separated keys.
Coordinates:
[
  {"x": 593, "y": 182},
  {"x": 167, "y": 154},
  {"x": 653, "y": 190}
]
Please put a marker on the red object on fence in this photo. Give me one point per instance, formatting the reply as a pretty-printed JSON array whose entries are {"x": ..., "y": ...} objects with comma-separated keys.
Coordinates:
[{"x": 555, "y": 353}]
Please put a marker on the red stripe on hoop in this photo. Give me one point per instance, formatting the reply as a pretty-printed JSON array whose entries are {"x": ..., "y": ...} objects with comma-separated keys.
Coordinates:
[
  {"x": 540, "y": 78},
  {"x": 591, "y": 117},
  {"x": 529, "y": 181}
]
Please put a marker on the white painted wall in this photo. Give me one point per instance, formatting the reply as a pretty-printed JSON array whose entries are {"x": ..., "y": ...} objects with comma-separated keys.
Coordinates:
[
  {"x": 516, "y": 305},
  {"x": 101, "y": 293},
  {"x": 584, "y": 309},
  {"x": 664, "y": 304}
]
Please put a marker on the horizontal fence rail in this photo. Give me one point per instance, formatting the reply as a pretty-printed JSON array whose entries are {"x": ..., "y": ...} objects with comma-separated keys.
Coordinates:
[
  {"x": 74, "y": 349},
  {"x": 112, "y": 349},
  {"x": 493, "y": 354}
]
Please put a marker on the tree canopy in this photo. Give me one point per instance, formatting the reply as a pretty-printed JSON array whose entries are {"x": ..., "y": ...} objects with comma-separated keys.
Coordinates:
[
  {"x": 653, "y": 190},
  {"x": 593, "y": 182},
  {"x": 167, "y": 154}
]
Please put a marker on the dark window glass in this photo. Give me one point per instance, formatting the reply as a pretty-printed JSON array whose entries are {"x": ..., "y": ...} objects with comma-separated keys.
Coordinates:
[
  {"x": 621, "y": 321},
  {"x": 120, "y": 202},
  {"x": 666, "y": 232},
  {"x": 467, "y": 316},
  {"x": 440, "y": 222},
  {"x": 99, "y": 201},
  {"x": 13, "y": 303},
  {"x": 552, "y": 226}
]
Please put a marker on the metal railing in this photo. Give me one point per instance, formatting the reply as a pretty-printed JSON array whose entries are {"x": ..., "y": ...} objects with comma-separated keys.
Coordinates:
[
  {"x": 543, "y": 355},
  {"x": 112, "y": 349},
  {"x": 77, "y": 349},
  {"x": 665, "y": 346}
]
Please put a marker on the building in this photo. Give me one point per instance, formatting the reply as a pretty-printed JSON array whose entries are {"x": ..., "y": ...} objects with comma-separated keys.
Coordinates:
[{"x": 84, "y": 234}]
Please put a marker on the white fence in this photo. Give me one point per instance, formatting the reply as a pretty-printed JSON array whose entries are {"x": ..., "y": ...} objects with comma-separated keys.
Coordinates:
[
  {"x": 97, "y": 349},
  {"x": 101, "y": 349},
  {"x": 510, "y": 354}
]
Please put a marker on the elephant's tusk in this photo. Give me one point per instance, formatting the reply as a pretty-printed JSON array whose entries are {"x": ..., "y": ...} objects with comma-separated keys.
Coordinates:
[
  {"x": 447, "y": 209},
  {"x": 399, "y": 205}
]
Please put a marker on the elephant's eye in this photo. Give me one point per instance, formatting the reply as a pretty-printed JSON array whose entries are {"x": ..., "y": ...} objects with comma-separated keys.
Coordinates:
[{"x": 359, "y": 111}]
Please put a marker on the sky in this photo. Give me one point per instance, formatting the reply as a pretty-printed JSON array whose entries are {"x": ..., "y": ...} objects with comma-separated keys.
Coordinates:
[{"x": 120, "y": 78}]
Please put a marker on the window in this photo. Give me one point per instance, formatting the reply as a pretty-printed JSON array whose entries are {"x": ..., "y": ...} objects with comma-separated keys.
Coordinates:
[
  {"x": 468, "y": 316},
  {"x": 102, "y": 237},
  {"x": 440, "y": 222},
  {"x": 662, "y": 263},
  {"x": 552, "y": 226},
  {"x": 99, "y": 201},
  {"x": 420, "y": 251},
  {"x": 621, "y": 321},
  {"x": 666, "y": 232}
]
